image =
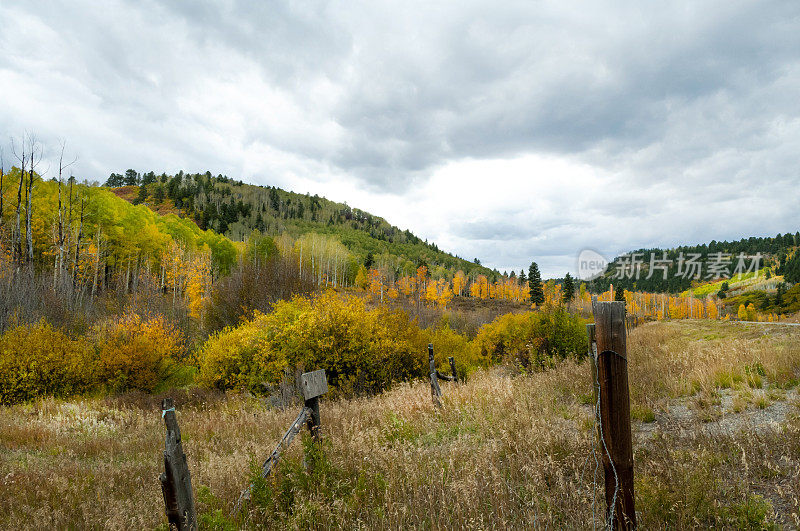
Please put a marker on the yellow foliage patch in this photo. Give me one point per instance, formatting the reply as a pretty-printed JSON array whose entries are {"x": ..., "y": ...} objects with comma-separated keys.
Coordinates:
[
  {"x": 37, "y": 360},
  {"x": 136, "y": 352},
  {"x": 362, "y": 350}
]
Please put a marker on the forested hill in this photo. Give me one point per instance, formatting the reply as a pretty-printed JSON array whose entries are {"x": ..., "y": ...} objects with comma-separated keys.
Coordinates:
[
  {"x": 235, "y": 209},
  {"x": 778, "y": 253}
]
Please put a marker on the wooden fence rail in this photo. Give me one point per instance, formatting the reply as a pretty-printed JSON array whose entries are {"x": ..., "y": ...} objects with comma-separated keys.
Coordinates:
[
  {"x": 176, "y": 483},
  {"x": 314, "y": 384}
]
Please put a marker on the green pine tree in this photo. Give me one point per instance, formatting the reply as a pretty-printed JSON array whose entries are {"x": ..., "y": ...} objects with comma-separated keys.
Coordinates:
[
  {"x": 619, "y": 294},
  {"x": 569, "y": 288},
  {"x": 535, "y": 284}
]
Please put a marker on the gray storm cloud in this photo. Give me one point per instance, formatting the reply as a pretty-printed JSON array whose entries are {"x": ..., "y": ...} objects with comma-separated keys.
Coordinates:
[{"x": 687, "y": 112}]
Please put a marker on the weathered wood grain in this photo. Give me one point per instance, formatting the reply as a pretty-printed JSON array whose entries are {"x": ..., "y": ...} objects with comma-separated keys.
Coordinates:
[{"x": 176, "y": 482}]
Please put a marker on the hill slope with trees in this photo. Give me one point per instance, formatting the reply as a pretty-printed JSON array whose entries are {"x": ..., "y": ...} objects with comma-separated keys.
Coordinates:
[
  {"x": 689, "y": 266},
  {"x": 235, "y": 209}
]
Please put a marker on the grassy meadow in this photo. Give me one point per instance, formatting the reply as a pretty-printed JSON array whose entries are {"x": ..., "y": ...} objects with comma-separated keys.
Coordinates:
[{"x": 716, "y": 444}]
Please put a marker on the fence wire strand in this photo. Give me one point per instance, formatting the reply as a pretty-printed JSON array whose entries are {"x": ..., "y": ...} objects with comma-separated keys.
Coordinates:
[{"x": 597, "y": 432}]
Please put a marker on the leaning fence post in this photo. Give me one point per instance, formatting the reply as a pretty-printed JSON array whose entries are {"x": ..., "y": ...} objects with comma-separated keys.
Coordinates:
[
  {"x": 436, "y": 392},
  {"x": 453, "y": 368},
  {"x": 615, "y": 413},
  {"x": 176, "y": 482},
  {"x": 313, "y": 384}
]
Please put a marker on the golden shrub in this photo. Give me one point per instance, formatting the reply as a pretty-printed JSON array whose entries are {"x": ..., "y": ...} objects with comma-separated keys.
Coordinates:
[
  {"x": 361, "y": 349},
  {"x": 533, "y": 339},
  {"x": 136, "y": 352},
  {"x": 38, "y": 360},
  {"x": 240, "y": 358},
  {"x": 447, "y": 342}
]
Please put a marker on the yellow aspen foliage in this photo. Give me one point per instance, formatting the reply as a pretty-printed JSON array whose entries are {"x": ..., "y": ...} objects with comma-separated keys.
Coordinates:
[
  {"x": 742, "y": 313},
  {"x": 198, "y": 283},
  {"x": 375, "y": 282},
  {"x": 406, "y": 286},
  {"x": 432, "y": 292},
  {"x": 422, "y": 275},
  {"x": 482, "y": 289},
  {"x": 475, "y": 290},
  {"x": 459, "y": 283},
  {"x": 711, "y": 309},
  {"x": 136, "y": 352},
  {"x": 362, "y": 278},
  {"x": 446, "y": 295}
]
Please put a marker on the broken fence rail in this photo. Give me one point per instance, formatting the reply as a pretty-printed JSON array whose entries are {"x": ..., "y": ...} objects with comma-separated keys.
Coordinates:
[{"x": 314, "y": 384}]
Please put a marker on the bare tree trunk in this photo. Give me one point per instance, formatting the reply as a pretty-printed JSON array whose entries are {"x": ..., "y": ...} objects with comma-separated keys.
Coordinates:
[
  {"x": 60, "y": 240},
  {"x": 68, "y": 242},
  {"x": 28, "y": 214},
  {"x": 174, "y": 282},
  {"x": 15, "y": 237},
  {"x": 32, "y": 147},
  {"x": 78, "y": 249},
  {"x": 55, "y": 264},
  {"x": 96, "y": 263},
  {"x": 60, "y": 243},
  {"x": 127, "y": 273}
]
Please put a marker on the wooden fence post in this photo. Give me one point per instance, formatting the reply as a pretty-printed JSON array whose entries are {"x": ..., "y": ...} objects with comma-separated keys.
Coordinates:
[
  {"x": 436, "y": 392},
  {"x": 592, "y": 352},
  {"x": 453, "y": 368},
  {"x": 314, "y": 384},
  {"x": 615, "y": 414},
  {"x": 176, "y": 482}
]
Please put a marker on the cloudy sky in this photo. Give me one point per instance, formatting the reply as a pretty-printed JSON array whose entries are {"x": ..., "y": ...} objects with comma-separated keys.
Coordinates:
[{"x": 511, "y": 131}]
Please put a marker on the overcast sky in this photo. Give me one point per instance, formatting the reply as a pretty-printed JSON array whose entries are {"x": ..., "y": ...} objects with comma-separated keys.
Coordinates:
[{"x": 507, "y": 131}]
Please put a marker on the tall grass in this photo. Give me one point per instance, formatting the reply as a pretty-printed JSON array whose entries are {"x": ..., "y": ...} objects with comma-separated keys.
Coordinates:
[{"x": 504, "y": 452}]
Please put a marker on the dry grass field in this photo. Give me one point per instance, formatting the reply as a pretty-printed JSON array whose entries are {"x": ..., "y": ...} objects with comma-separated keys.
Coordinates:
[{"x": 716, "y": 444}]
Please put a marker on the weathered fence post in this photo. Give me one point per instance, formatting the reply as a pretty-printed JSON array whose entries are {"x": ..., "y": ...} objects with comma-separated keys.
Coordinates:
[
  {"x": 436, "y": 392},
  {"x": 176, "y": 482},
  {"x": 453, "y": 368},
  {"x": 313, "y": 384},
  {"x": 615, "y": 414},
  {"x": 592, "y": 361}
]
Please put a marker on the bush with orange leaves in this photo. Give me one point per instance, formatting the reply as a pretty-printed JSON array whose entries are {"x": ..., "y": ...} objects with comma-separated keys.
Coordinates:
[
  {"x": 136, "y": 352},
  {"x": 38, "y": 360},
  {"x": 129, "y": 352}
]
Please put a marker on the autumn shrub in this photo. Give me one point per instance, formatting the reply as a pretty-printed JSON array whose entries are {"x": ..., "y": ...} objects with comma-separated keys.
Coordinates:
[
  {"x": 362, "y": 350},
  {"x": 447, "y": 342},
  {"x": 533, "y": 340},
  {"x": 240, "y": 357},
  {"x": 38, "y": 360},
  {"x": 136, "y": 352}
]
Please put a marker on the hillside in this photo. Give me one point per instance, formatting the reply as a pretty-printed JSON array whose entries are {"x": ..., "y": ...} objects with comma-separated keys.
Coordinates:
[
  {"x": 236, "y": 209},
  {"x": 674, "y": 270},
  {"x": 104, "y": 231}
]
